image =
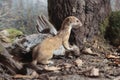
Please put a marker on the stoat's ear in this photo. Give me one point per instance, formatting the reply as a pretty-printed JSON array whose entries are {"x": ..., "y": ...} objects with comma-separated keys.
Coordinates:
[{"x": 67, "y": 19}]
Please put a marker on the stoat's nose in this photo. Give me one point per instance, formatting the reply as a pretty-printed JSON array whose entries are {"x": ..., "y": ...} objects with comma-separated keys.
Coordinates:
[{"x": 81, "y": 24}]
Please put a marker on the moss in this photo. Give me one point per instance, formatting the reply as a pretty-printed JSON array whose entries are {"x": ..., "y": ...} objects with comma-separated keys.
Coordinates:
[
  {"x": 113, "y": 31},
  {"x": 13, "y": 33},
  {"x": 104, "y": 25}
]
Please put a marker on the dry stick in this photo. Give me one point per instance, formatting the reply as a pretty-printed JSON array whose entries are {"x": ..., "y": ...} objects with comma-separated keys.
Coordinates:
[
  {"x": 53, "y": 29},
  {"x": 42, "y": 20},
  {"x": 49, "y": 25},
  {"x": 38, "y": 26},
  {"x": 41, "y": 25}
]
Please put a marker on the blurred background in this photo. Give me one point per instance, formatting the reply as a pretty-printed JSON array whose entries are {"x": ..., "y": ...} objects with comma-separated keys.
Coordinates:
[{"x": 22, "y": 14}]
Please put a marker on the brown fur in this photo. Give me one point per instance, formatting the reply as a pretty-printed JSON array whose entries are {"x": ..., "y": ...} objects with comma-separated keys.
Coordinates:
[{"x": 43, "y": 52}]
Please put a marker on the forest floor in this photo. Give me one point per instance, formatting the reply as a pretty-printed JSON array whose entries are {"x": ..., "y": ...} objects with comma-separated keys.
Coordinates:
[{"x": 97, "y": 61}]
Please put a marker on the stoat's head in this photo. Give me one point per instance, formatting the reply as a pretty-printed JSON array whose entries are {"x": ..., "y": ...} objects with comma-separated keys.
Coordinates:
[{"x": 72, "y": 21}]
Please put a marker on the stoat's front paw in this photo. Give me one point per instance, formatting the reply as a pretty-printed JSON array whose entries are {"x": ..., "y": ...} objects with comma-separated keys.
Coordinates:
[{"x": 50, "y": 62}]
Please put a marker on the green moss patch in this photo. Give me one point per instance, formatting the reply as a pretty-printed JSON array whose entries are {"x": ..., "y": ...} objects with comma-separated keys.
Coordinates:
[
  {"x": 113, "y": 31},
  {"x": 104, "y": 25},
  {"x": 12, "y": 34}
]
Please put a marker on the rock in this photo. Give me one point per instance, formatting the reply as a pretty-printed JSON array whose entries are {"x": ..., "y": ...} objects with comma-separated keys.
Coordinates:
[
  {"x": 91, "y": 72},
  {"x": 8, "y": 35},
  {"x": 35, "y": 74},
  {"x": 4, "y": 32},
  {"x": 5, "y": 39},
  {"x": 76, "y": 50}
]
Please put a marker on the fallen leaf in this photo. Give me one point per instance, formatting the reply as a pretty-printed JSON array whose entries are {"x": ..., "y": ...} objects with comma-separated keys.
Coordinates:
[
  {"x": 89, "y": 51},
  {"x": 52, "y": 68},
  {"x": 67, "y": 65},
  {"x": 22, "y": 76},
  {"x": 78, "y": 62},
  {"x": 111, "y": 56}
]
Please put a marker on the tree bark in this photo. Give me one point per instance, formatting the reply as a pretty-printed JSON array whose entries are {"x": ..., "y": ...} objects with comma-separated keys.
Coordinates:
[{"x": 90, "y": 12}]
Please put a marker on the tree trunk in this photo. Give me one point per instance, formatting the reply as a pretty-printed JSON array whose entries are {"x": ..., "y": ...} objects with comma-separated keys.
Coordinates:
[{"x": 90, "y": 12}]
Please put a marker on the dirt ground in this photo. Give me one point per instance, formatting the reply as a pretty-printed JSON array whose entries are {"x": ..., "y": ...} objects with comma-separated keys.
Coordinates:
[{"x": 103, "y": 58}]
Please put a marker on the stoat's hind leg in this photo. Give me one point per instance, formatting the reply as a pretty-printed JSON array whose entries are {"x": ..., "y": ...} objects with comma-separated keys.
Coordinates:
[{"x": 46, "y": 62}]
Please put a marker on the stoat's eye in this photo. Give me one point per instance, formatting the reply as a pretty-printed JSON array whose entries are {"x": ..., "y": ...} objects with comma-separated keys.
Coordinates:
[
  {"x": 77, "y": 21},
  {"x": 70, "y": 21}
]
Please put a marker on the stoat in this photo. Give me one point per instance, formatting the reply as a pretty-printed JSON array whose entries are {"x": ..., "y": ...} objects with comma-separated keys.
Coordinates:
[{"x": 43, "y": 52}]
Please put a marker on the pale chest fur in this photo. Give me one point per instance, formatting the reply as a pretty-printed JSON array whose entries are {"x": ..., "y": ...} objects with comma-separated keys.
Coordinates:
[{"x": 65, "y": 34}]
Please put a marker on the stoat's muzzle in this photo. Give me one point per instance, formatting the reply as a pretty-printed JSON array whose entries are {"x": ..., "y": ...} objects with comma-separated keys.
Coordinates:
[
  {"x": 77, "y": 25},
  {"x": 80, "y": 24}
]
